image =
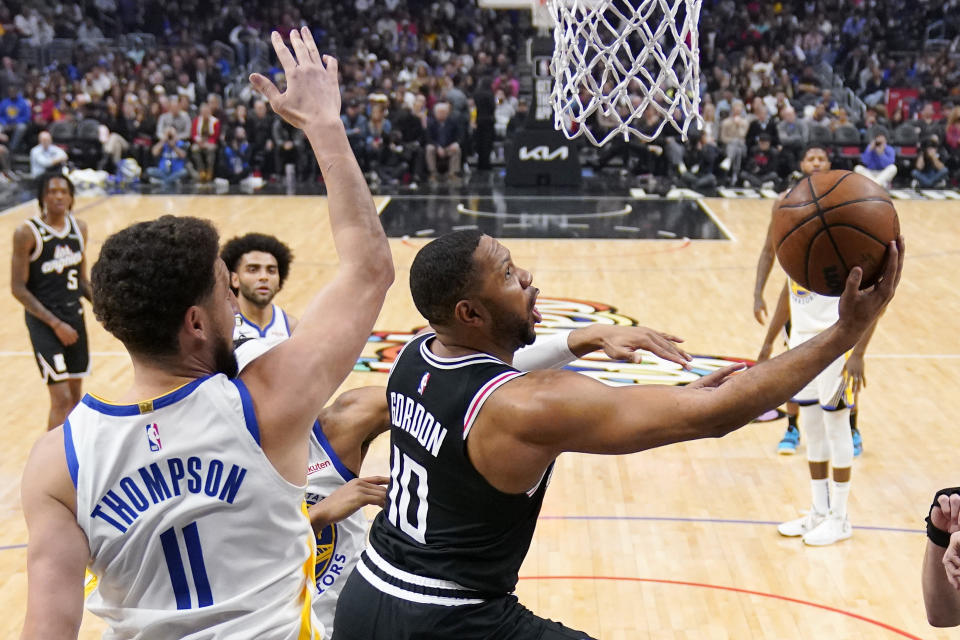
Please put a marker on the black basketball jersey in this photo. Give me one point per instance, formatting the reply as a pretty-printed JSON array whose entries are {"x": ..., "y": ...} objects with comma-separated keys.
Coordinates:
[
  {"x": 54, "y": 277},
  {"x": 442, "y": 519}
]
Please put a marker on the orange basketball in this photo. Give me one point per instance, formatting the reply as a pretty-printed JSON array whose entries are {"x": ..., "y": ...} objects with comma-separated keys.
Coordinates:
[{"x": 829, "y": 223}]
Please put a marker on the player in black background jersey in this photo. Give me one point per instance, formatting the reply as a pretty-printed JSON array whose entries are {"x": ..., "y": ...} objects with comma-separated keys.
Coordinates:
[
  {"x": 48, "y": 275},
  {"x": 473, "y": 442}
]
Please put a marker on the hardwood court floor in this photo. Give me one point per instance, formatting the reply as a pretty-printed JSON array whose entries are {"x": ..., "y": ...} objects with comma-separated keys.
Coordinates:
[{"x": 671, "y": 543}]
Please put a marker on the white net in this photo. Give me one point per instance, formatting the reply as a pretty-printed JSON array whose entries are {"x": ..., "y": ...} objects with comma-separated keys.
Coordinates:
[{"x": 625, "y": 67}]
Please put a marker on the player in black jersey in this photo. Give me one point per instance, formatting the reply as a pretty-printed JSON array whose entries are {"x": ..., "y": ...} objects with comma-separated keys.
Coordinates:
[
  {"x": 474, "y": 440},
  {"x": 48, "y": 277}
]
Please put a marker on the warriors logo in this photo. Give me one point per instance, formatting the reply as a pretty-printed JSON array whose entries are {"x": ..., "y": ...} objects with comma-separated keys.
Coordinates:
[{"x": 563, "y": 314}]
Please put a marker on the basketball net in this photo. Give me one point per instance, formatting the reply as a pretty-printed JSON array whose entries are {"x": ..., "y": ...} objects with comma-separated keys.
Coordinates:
[{"x": 613, "y": 62}]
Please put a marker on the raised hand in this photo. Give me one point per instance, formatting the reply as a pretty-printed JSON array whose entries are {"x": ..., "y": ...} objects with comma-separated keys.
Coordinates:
[
  {"x": 946, "y": 515},
  {"x": 625, "y": 343},
  {"x": 859, "y": 309},
  {"x": 346, "y": 500},
  {"x": 313, "y": 90}
]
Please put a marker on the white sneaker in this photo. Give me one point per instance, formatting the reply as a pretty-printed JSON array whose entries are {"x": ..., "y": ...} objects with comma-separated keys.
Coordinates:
[
  {"x": 832, "y": 529},
  {"x": 725, "y": 164},
  {"x": 801, "y": 526}
]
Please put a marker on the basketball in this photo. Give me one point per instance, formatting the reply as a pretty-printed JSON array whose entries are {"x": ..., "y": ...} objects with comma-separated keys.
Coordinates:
[{"x": 829, "y": 223}]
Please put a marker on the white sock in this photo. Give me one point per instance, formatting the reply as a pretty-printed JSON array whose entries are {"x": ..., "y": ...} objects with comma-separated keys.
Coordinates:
[
  {"x": 841, "y": 491},
  {"x": 821, "y": 495}
]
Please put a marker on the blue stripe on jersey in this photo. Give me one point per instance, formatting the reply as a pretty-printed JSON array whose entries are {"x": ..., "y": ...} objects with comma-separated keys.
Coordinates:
[
  {"x": 192, "y": 538},
  {"x": 134, "y": 409},
  {"x": 72, "y": 463},
  {"x": 249, "y": 415},
  {"x": 178, "y": 578},
  {"x": 286, "y": 322},
  {"x": 263, "y": 332},
  {"x": 341, "y": 468}
]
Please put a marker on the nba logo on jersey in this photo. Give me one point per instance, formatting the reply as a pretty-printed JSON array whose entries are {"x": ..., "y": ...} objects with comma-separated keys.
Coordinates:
[
  {"x": 423, "y": 383},
  {"x": 153, "y": 437}
]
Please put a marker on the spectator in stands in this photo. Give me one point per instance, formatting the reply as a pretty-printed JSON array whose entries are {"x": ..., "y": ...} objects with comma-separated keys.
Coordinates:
[
  {"x": 186, "y": 88},
  {"x": 14, "y": 116},
  {"x": 952, "y": 139},
  {"x": 206, "y": 79},
  {"x": 928, "y": 124},
  {"x": 377, "y": 139},
  {"x": 792, "y": 134},
  {"x": 841, "y": 120},
  {"x": 872, "y": 124},
  {"x": 171, "y": 154},
  {"x": 236, "y": 156},
  {"x": 204, "y": 139},
  {"x": 878, "y": 162},
  {"x": 762, "y": 123},
  {"x": 929, "y": 170},
  {"x": 443, "y": 142},
  {"x": 46, "y": 156},
  {"x": 486, "y": 123},
  {"x": 260, "y": 134},
  {"x": 355, "y": 122},
  {"x": 519, "y": 119},
  {"x": 874, "y": 86},
  {"x": 763, "y": 163},
  {"x": 808, "y": 87},
  {"x": 288, "y": 141},
  {"x": 733, "y": 134},
  {"x": 174, "y": 118}
]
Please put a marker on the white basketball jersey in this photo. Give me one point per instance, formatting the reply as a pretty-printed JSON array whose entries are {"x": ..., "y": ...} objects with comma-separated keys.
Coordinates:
[
  {"x": 338, "y": 545},
  {"x": 274, "y": 333},
  {"x": 192, "y": 531},
  {"x": 810, "y": 313}
]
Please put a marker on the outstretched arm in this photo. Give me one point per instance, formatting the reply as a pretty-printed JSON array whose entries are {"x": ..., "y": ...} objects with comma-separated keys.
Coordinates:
[
  {"x": 539, "y": 416},
  {"x": 764, "y": 266},
  {"x": 57, "y": 550},
  {"x": 779, "y": 320},
  {"x": 617, "y": 342},
  {"x": 291, "y": 383}
]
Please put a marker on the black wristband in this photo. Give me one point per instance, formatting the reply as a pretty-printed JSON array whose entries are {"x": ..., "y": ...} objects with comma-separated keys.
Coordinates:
[{"x": 936, "y": 535}]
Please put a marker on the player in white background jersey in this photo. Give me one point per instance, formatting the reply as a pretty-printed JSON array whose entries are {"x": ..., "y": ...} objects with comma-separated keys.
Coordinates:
[
  {"x": 185, "y": 498},
  {"x": 345, "y": 429},
  {"x": 259, "y": 265},
  {"x": 824, "y": 406}
]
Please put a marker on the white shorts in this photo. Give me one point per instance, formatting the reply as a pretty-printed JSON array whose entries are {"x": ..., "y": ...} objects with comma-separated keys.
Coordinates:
[{"x": 830, "y": 389}]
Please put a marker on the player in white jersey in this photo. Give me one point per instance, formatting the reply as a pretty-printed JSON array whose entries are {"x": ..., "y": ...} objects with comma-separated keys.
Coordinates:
[
  {"x": 815, "y": 158},
  {"x": 259, "y": 265},
  {"x": 344, "y": 430},
  {"x": 824, "y": 406},
  {"x": 186, "y": 496}
]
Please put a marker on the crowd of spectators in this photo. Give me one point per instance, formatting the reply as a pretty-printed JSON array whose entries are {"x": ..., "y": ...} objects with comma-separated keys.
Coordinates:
[{"x": 432, "y": 88}]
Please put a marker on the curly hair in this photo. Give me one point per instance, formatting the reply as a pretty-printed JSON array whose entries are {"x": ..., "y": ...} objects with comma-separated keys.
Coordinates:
[
  {"x": 236, "y": 248},
  {"x": 45, "y": 182},
  {"x": 442, "y": 274},
  {"x": 148, "y": 275}
]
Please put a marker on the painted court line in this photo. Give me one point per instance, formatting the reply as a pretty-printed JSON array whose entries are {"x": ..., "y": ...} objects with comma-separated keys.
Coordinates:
[
  {"x": 715, "y": 521},
  {"x": 762, "y": 594}
]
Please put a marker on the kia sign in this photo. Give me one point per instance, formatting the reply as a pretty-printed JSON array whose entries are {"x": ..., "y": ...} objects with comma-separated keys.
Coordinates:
[
  {"x": 542, "y": 157},
  {"x": 544, "y": 153}
]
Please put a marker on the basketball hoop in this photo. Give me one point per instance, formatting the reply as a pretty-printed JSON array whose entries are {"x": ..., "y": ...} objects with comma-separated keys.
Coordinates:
[{"x": 620, "y": 58}]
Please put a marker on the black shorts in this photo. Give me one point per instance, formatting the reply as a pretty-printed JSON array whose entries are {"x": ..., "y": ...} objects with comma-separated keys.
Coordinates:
[
  {"x": 59, "y": 363},
  {"x": 366, "y": 613}
]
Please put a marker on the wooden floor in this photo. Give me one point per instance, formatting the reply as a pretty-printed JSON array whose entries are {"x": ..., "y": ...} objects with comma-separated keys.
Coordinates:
[{"x": 671, "y": 543}]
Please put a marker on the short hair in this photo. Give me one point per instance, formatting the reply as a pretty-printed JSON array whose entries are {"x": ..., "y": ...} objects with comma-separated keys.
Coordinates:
[
  {"x": 44, "y": 184},
  {"x": 236, "y": 248},
  {"x": 815, "y": 145},
  {"x": 148, "y": 275},
  {"x": 442, "y": 274}
]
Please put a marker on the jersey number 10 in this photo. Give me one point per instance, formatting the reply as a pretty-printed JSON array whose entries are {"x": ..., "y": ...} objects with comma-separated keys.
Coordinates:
[{"x": 402, "y": 470}]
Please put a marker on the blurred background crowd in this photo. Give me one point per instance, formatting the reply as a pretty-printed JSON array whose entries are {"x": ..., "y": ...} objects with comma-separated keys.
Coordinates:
[{"x": 433, "y": 90}]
